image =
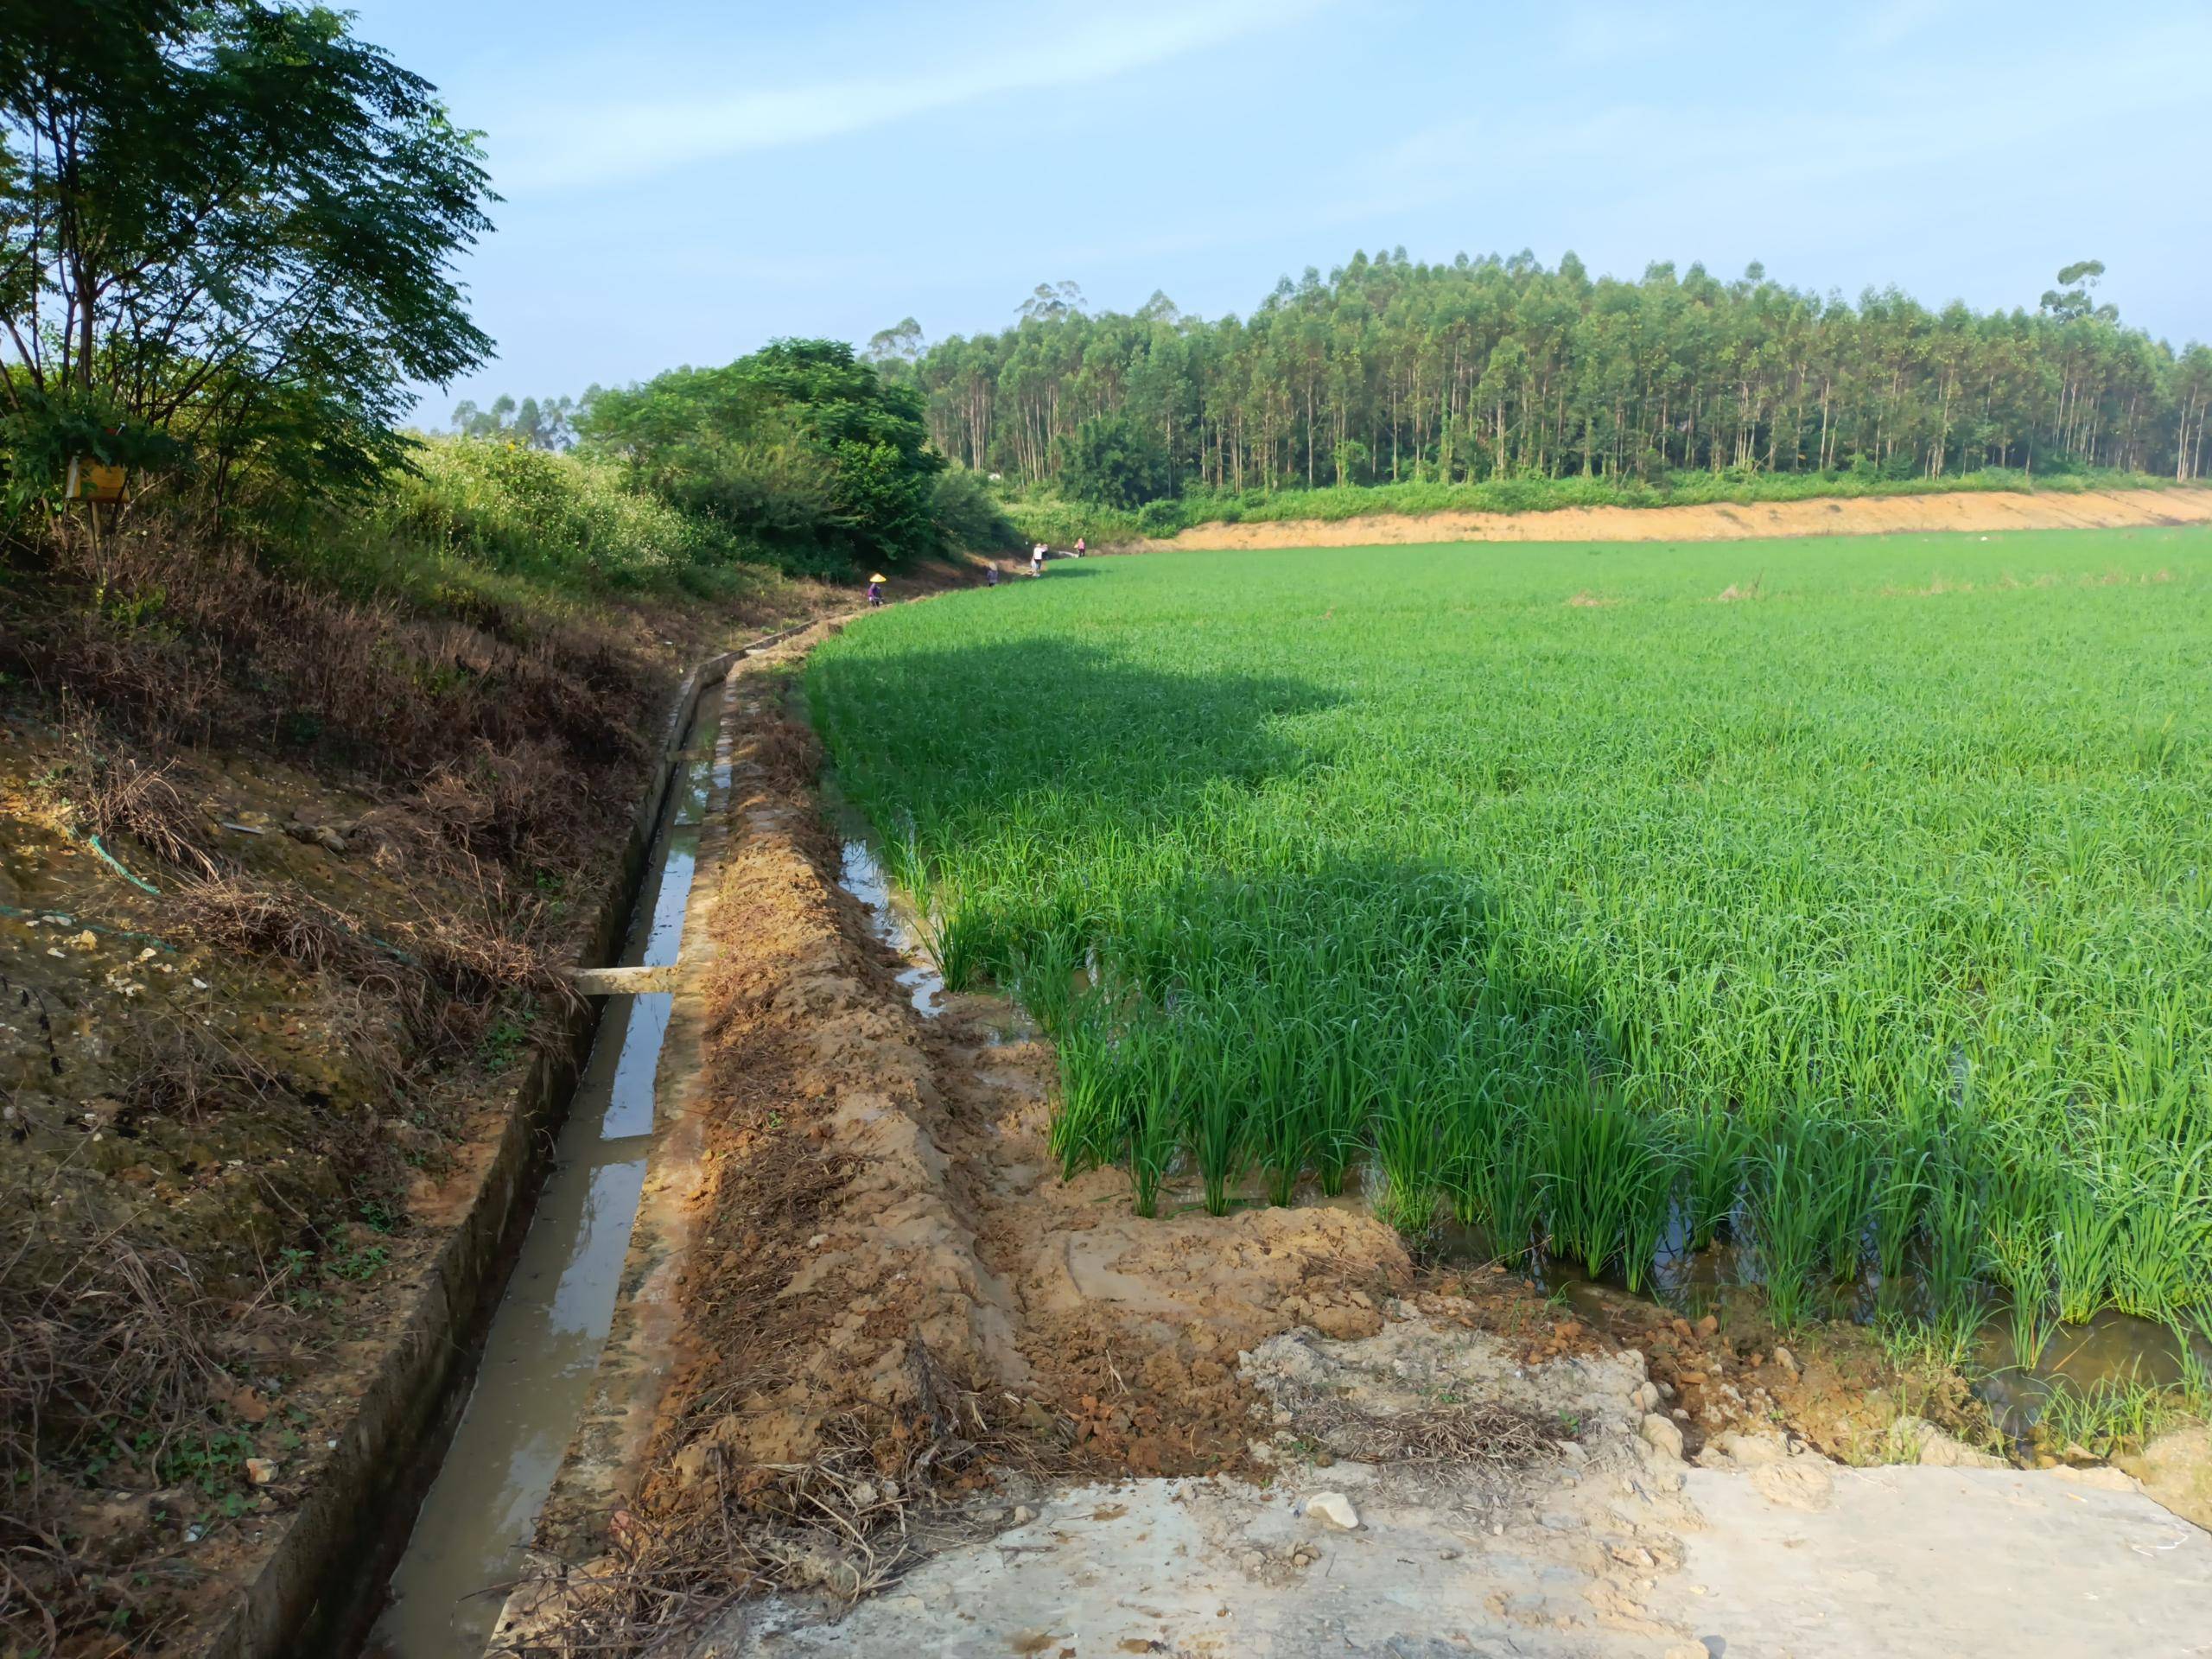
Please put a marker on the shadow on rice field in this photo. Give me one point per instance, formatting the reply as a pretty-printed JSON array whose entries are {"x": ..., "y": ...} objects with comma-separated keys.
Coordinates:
[{"x": 1851, "y": 935}]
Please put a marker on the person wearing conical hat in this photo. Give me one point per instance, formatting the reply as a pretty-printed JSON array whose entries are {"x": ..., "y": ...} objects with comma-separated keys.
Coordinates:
[{"x": 876, "y": 589}]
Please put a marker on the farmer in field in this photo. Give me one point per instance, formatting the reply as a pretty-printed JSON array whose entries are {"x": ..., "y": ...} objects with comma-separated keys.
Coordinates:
[
  {"x": 1037, "y": 560},
  {"x": 991, "y": 574},
  {"x": 875, "y": 590}
]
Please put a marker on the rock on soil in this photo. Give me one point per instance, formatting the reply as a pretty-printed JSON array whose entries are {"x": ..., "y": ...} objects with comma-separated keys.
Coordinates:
[{"x": 2176, "y": 1469}]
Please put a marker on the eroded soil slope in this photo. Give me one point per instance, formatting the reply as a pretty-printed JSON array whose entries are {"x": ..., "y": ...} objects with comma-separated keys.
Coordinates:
[
  {"x": 285, "y": 880},
  {"x": 1963, "y": 510}
]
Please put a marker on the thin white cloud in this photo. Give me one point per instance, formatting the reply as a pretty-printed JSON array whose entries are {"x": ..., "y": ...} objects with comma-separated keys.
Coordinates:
[{"x": 1048, "y": 52}]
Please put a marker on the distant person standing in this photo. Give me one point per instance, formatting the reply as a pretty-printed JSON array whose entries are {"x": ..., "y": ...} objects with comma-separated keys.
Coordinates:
[
  {"x": 875, "y": 590},
  {"x": 1080, "y": 549},
  {"x": 1037, "y": 560},
  {"x": 991, "y": 575}
]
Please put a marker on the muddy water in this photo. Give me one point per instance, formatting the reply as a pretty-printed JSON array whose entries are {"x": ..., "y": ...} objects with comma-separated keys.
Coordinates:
[
  {"x": 544, "y": 1343},
  {"x": 890, "y": 919}
]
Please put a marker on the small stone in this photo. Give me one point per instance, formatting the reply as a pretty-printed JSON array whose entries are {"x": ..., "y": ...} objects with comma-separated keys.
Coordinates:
[
  {"x": 1752, "y": 1450},
  {"x": 1784, "y": 1358},
  {"x": 86, "y": 940},
  {"x": 1646, "y": 1397},
  {"x": 1709, "y": 1326},
  {"x": 1335, "y": 1509},
  {"x": 1663, "y": 1435},
  {"x": 1572, "y": 1451},
  {"x": 260, "y": 1471},
  {"x": 1023, "y": 1515}
]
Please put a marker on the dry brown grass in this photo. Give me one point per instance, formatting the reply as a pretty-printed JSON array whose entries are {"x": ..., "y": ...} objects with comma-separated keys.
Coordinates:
[
  {"x": 181, "y": 1069},
  {"x": 108, "y": 793},
  {"x": 843, "y": 1524},
  {"x": 526, "y": 731},
  {"x": 92, "y": 1333}
]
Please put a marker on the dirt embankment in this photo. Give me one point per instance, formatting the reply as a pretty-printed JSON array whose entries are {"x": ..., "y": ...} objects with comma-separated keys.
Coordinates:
[
  {"x": 1963, "y": 510},
  {"x": 284, "y": 882}
]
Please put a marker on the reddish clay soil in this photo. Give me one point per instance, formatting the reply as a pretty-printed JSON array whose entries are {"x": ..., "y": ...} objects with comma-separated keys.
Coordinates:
[{"x": 1982, "y": 510}]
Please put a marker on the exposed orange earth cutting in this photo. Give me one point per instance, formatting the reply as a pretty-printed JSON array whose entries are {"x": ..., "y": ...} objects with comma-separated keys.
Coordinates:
[{"x": 1983, "y": 511}]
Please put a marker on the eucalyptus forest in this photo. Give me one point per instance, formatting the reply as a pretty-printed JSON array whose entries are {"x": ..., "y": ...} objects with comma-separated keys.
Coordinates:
[{"x": 1388, "y": 369}]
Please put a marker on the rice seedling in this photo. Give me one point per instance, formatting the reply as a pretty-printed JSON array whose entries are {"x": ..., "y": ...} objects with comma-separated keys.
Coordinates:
[
  {"x": 2112, "y": 1415},
  {"x": 1714, "y": 1142},
  {"x": 2019, "y": 1243},
  {"x": 2085, "y": 1229},
  {"x": 1155, "y": 1115},
  {"x": 2194, "y": 1335},
  {"x": 1902, "y": 1192},
  {"x": 1289, "y": 1127},
  {"x": 1218, "y": 1067},
  {"x": 1954, "y": 1252},
  {"x": 1493, "y": 1172},
  {"x": 1608, "y": 1177},
  {"x": 1341, "y": 1107},
  {"x": 1864, "y": 936},
  {"x": 1089, "y": 1126}
]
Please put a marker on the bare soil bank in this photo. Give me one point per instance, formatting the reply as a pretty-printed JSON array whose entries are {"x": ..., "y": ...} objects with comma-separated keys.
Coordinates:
[
  {"x": 284, "y": 882},
  {"x": 925, "y": 1396},
  {"x": 1964, "y": 510}
]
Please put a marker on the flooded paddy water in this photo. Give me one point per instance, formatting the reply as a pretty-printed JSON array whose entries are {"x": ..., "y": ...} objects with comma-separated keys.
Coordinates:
[{"x": 545, "y": 1342}]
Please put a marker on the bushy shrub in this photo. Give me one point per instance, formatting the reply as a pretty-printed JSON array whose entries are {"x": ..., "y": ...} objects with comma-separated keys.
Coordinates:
[
  {"x": 969, "y": 517},
  {"x": 532, "y": 512}
]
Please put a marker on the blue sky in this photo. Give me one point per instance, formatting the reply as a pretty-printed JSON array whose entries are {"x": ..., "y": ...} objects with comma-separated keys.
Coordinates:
[{"x": 684, "y": 181}]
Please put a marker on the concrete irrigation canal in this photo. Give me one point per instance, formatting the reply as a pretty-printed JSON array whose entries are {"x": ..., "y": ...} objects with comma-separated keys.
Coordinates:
[{"x": 543, "y": 1346}]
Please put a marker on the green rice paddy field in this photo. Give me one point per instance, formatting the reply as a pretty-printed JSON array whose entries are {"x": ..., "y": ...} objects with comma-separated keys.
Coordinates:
[{"x": 1848, "y": 898}]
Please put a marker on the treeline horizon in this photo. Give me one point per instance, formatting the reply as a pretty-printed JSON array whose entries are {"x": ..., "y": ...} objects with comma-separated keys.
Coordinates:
[{"x": 1389, "y": 370}]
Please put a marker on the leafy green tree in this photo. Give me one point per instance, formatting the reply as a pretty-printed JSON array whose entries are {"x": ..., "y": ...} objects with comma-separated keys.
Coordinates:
[
  {"x": 1113, "y": 461},
  {"x": 800, "y": 444},
  {"x": 227, "y": 232}
]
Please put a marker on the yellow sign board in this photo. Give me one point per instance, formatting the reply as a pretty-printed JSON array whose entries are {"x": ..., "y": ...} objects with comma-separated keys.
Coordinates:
[{"x": 94, "y": 480}]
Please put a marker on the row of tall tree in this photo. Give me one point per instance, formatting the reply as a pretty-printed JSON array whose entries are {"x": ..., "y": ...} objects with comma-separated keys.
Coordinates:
[{"x": 1388, "y": 369}]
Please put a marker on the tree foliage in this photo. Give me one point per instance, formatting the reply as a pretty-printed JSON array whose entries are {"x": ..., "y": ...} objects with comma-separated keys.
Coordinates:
[
  {"x": 1115, "y": 460},
  {"x": 534, "y": 424},
  {"x": 1389, "y": 370},
  {"x": 226, "y": 234},
  {"x": 800, "y": 443}
]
